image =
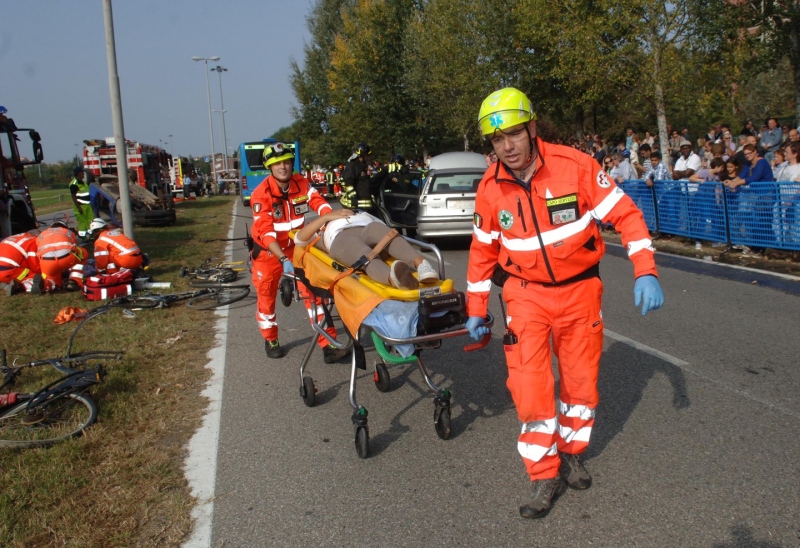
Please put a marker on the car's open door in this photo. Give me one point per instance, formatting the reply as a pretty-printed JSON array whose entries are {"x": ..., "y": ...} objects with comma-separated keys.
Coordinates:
[{"x": 398, "y": 199}]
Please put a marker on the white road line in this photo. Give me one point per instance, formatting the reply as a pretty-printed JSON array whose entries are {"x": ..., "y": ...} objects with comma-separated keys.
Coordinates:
[
  {"x": 685, "y": 366},
  {"x": 733, "y": 266},
  {"x": 200, "y": 466}
]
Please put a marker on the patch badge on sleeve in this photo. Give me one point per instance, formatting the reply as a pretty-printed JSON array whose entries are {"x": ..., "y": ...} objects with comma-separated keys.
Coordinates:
[
  {"x": 477, "y": 221},
  {"x": 256, "y": 208},
  {"x": 506, "y": 219},
  {"x": 602, "y": 179}
]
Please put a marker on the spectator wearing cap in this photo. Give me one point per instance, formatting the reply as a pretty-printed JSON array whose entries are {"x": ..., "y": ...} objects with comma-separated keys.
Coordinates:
[
  {"x": 81, "y": 201},
  {"x": 688, "y": 163}
]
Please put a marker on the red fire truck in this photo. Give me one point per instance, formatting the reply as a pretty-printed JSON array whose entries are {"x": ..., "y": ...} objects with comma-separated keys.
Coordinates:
[
  {"x": 148, "y": 165},
  {"x": 16, "y": 209}
]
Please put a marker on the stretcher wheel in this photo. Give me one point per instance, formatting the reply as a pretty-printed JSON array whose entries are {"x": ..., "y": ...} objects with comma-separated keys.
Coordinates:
[
  {"x": 308, "y": 392},
  {"x": 286, "y": 291},
  {"x": 441, "y": 421},
  {"x": 381, "y": 377},
  {"x": 362, "y": 442}
]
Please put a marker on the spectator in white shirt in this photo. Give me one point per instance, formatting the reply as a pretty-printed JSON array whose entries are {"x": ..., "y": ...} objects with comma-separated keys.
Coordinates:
[{"x": 688, "y": 163}]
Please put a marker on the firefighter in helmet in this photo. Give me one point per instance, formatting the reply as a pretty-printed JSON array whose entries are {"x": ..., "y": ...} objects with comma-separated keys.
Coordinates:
[
  {"x": 330, "y": 179},
  {"x": 356, "y": 192}
]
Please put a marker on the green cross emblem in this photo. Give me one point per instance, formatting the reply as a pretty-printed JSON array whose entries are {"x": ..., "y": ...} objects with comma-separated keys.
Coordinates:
[{"x": 506, "y": 219}]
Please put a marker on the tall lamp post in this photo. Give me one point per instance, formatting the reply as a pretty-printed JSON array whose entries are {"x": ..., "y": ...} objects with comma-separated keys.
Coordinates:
[
  {"x": 210, "y": 120},
  {"x": 170, "y": 145},
  {"x": 219, "y": 70}
]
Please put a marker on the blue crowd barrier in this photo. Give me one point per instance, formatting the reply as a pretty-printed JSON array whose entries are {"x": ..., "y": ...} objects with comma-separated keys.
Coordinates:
[{"x": 760, "y": 214}]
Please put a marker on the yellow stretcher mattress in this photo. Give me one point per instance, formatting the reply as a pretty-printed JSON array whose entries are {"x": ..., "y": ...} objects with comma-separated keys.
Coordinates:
[{"x": 356, "y": 295}]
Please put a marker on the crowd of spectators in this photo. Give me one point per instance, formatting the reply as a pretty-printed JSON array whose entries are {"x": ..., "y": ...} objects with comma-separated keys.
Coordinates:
[
  {"x": 734, "y": 160},
  {"x": 632, "y": 157}
]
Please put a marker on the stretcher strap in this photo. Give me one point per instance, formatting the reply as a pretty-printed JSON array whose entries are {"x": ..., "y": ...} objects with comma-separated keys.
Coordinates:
[{"x": 391, "y": 235}]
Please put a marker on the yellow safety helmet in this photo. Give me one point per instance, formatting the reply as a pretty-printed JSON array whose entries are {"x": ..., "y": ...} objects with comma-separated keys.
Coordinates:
[
  {"x": 277, "y": 152},
  {"x": 504, "y": 108}
]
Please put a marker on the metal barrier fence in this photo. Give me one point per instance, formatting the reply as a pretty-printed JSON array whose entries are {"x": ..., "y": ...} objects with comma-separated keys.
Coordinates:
[{"x": 755, "y": 215}]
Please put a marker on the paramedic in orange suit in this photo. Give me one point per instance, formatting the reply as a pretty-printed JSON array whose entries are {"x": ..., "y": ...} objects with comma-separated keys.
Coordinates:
[
  {"x": 536, "y": 214},
  {"x": 113, "y": 251},
  {"x": 279, "y": 205},
  {"x": 58, "y": 252},
  {"x": 18, "y": 262}
]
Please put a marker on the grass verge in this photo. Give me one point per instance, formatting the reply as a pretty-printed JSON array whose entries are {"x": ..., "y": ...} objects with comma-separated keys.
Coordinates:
[{"x": 122, "y": 483}]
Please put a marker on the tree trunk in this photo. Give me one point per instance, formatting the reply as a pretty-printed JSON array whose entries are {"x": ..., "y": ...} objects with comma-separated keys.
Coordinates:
[
  {"x": 661, "y": 110},
  {"x": 466, "y": 143}
]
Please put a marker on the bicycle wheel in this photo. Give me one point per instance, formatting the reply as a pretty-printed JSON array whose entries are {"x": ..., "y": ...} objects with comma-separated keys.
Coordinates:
[
  {"x": 217, "y": 298},
  {"x": 136, "y": 303},
  {"x": 54, "y": 420}
]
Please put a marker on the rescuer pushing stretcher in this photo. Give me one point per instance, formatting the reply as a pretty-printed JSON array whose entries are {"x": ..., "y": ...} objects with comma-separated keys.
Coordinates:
[{"x": 535, "y": 232}]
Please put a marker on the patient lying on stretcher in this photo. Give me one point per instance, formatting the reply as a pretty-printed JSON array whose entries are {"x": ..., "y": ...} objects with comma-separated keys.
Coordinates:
[{"x": 348, "y": 236}]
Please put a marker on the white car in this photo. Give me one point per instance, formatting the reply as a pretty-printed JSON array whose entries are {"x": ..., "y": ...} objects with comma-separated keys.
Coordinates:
[{"x": 447, "y": 200}]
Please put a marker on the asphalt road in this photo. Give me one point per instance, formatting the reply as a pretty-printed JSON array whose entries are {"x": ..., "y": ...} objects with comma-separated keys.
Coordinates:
[{"x": 695, "y": 442}]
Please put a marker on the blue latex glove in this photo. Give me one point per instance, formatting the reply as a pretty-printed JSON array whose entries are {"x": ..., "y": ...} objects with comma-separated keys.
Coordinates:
[
  {"x": 288, "y": 267},
  {"x": 476, "y": 328},
  {"x": 647, "y": 292}
]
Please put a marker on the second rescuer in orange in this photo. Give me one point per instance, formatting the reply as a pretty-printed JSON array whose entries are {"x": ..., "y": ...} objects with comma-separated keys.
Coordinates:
[
  {"x": 535, "y": 226},
  {"x": 279, "y": 205}
]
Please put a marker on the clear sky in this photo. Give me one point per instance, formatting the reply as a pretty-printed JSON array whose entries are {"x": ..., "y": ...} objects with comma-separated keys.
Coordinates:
[{"x": 54, "y": 70}]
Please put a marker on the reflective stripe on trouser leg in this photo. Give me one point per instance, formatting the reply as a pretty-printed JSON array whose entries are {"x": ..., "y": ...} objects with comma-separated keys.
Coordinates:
[
  {"x": 536, "y": 312},
  {"x": 578, "y": 345},
  {"x": 307, "y": 296},
  {"x": 266, "y": 277}
]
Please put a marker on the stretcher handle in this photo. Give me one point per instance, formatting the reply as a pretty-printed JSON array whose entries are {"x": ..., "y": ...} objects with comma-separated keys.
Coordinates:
[{"x": 480, "y": 344}]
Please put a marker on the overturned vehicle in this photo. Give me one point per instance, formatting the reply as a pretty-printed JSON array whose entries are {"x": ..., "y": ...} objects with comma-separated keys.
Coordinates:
[{"x": 147, "y": 208}]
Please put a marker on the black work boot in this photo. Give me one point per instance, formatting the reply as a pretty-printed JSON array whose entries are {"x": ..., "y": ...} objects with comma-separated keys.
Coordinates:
[
  {"x": 38, "y": 285},
  {"x": 273, "y": 349},
  {"x": 544, "y": 494},
  {"x": 574, "y": 473},
  {"x": 333, "y": 355}
]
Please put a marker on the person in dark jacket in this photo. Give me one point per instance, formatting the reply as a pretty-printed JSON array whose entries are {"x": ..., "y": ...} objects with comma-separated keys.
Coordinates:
[{"x": 357, "y": 181}]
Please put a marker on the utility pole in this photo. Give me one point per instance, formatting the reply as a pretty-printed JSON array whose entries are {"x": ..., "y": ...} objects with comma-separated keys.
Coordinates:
[{"x": 119, "y": 128}]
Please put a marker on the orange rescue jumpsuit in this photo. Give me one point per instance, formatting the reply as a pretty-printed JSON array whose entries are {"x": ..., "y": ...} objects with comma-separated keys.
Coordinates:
[
  {"x": 547, "y": 241},
  {"x": 114, "y": 251},
  {"x": 59, "y": 252},
  {"x": 274, "y": 215},
  {"x": 18, "y": 261}
]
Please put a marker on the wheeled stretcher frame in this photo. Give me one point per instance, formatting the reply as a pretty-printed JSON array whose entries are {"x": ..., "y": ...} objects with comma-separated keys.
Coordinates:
[{"x": 449, "y": 324}]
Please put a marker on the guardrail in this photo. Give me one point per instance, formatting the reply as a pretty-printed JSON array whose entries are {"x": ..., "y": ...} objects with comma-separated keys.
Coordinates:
[{"x": 759, "y": 214}]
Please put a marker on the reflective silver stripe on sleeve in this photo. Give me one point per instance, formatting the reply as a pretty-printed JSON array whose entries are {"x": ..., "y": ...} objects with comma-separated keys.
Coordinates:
[
  {"x": 638, "y": 245},
  {"x": 483, "y": 236},
  {"x": 479, "y": 287}
]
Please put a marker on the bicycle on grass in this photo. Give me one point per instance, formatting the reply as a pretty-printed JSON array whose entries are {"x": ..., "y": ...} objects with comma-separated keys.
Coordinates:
[
  {"x": 57, "y": 412},
  {"x": 203, "y": 296},
  {"x": 221, "y": 272}
]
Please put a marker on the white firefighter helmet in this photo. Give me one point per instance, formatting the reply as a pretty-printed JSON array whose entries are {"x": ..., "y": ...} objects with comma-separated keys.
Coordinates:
[{"x": 96, "y": 225}]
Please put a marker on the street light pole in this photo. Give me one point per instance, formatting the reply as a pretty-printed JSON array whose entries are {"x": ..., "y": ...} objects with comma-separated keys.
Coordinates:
[
  {"x": 170, "y": 145},
  {"x": 210, "y": 119},
  {"x": 219, "y": 70}
]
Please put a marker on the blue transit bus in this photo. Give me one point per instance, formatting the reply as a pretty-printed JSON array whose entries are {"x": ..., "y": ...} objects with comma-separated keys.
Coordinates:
[{"x": 251, "y": 164}]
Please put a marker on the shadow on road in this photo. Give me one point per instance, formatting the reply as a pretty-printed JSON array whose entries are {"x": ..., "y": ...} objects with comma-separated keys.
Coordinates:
[
  {"x": 743, "y": 538},
  {"x": 624, "y": 375}
]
